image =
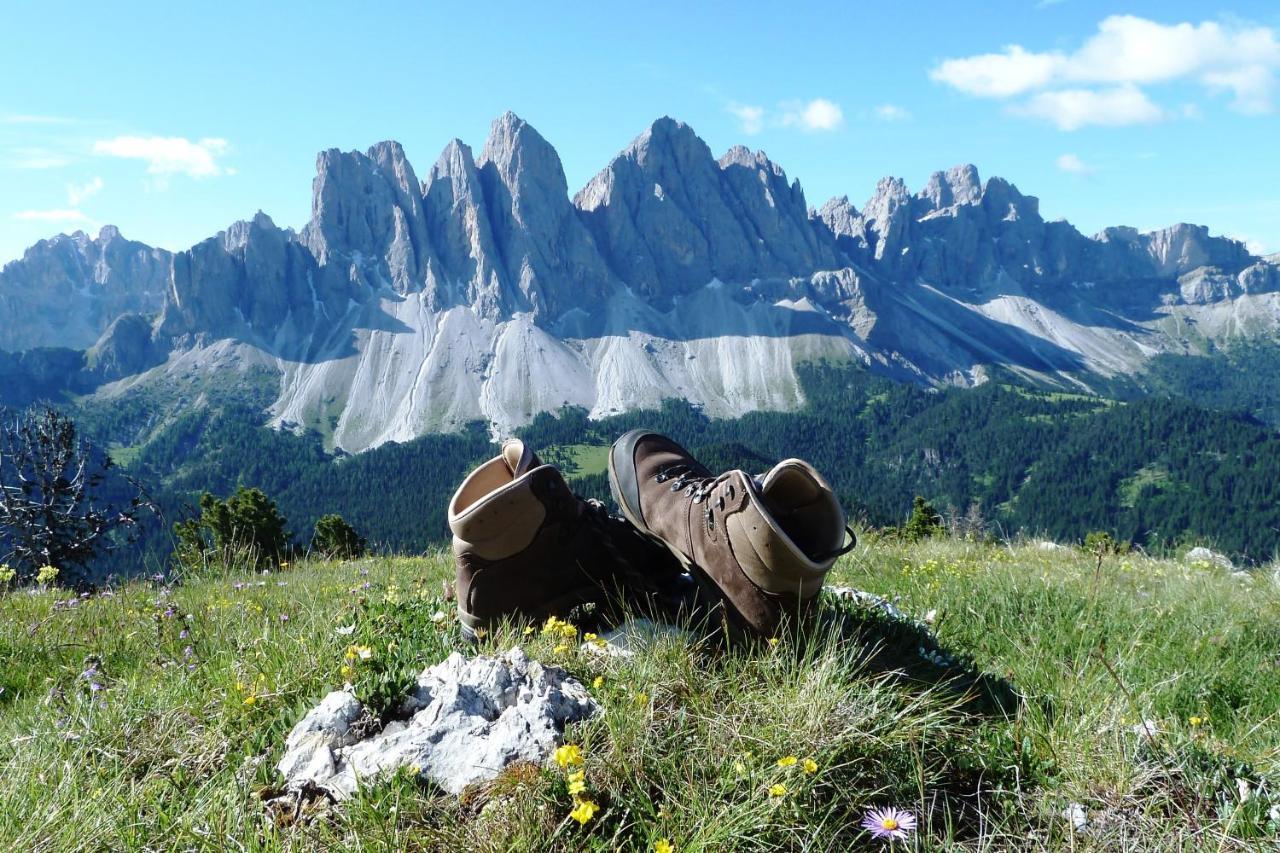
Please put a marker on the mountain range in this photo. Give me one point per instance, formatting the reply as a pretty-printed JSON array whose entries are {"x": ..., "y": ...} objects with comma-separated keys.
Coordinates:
[{"x": 486, "y": 292}]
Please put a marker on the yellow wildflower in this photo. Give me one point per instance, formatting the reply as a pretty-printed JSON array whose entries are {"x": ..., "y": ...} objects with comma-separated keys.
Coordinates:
[
  {"x": 787, "y": 760},
  {"x": 642, "y": 698},
  {"x": 777, "y": 790},
  {"x": 810, "y": 766},
  {"x": 584, "y": 811},
  {"x": 560, "y": 649},
  {"x": 6, "y": 574},
  {"x": 598, "y": 682},
  {"x": 663, "y": 845},
  {"x": 569, "y": 754},
  {"x": 347, "y": 671},
  {"x": 773, "y": 642},
  {"x": 250, "y": 700},
  {"x": 1195, "y": 721},
  {"x": 46, "y": 575},
  {"x": 577, "y": 782},
  {"x": 528, "y": 630}
]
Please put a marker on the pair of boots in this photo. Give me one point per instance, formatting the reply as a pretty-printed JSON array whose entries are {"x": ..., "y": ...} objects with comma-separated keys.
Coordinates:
[{"x": 747, "y": 551}]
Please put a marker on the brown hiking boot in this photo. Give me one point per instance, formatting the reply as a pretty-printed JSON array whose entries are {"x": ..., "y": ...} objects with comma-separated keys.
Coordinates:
[
  {"x": 762, "y": 546},
  {"x": 526, "y": 546}
]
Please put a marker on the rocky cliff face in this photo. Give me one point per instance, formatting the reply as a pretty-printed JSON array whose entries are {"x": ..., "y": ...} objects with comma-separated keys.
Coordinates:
[
  {"x": 65, "y": 291},
  {"x": 484, "y": 291}
]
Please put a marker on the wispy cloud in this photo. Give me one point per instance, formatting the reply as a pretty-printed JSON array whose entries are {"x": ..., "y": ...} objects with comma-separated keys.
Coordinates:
[
  {"x": 1100, "y": 81},
  {"x": 892, "y": 112},
  {"x": 750, "y": 118},
  {"x": 63, "y": 216},
  {"x": 818, "y": 114},
  {"x": 1072, "y": 109},
  {"x": 168, "y": 155},
  {"x": 78, "y": 193},
  {"x": 1073, "y": 165}
]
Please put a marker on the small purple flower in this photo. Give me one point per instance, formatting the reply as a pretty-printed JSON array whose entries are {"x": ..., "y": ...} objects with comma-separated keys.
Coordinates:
[
  {"x": 183, "y": 634},
  {"x": 188, "y": 652},
  {"x": 169, "y": 613},
  {"x": 237, "y": 586},
  {"x": 284, "y": 617},
  {"x": 892, "y": 823},
  {"x": 94, "y": 686}
]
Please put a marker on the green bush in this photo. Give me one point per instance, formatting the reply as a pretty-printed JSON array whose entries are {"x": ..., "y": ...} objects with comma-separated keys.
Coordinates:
[
  {"x": 334, "y": 538},
  {"x": 243, "y": 531},
  {"x": 924, "y": 521}
]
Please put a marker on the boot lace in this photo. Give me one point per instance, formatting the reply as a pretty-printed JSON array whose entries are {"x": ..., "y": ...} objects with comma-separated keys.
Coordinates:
[{"x": 684, "y": 476}]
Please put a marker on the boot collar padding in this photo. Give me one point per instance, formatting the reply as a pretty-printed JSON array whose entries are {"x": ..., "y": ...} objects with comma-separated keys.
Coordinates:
[
  {"x": 768, "y": 554},
  {"x": 495, "y": 515}
]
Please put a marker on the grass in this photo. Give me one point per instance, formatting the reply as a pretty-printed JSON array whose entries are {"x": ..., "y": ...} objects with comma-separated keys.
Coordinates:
[
  {"x": 177, "y": 748},
  {"x": 578, "y": 460}
]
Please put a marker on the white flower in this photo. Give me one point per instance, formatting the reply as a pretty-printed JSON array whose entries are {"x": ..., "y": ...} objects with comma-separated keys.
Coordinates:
[{"x": 345, "y": 630}]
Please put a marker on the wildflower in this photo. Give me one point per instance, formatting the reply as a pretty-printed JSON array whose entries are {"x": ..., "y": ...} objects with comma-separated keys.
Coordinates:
[
  {"x": 577, "y": 782},
  {"x": 560, "y": 649},
  {"x": 810, "y": 766},
  {"x": 284, "y": 617},
  {"x": 438, "y": 617},
  {"x": 777, "y": 790},
  {"x": 528, "y": 630},
  {"x": 284, "y": 564},
  {"x": 569, "y": 754},
  {"x": 583, "y": 811},
  {"x": 46, "y": 575},
  {"x": 358, "y": 652},
  {"x": 773, "y": 642},
  {"x": 345, "y": 630},
  {"x": 250, "y": 700},
  {"x": 6, "y": 574},
  {"x": 598, "y": 682},
  {"x": 739, "y": 768},
  {"x": 347, "y": 671},
  {"x": 892, "y": 823},
  {"x": 787, "y": 761},
  {"x": 663, "y": 845},
  {"x": 642, "y": 698},
  {"x": 1196, "y": 721}
]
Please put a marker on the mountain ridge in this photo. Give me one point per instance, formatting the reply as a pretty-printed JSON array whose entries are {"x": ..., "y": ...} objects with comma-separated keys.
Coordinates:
[{"x": 485, "y": 291}]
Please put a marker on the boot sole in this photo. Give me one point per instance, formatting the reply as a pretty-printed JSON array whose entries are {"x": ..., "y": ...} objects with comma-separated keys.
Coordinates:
[{"x": 626, "y": 494}]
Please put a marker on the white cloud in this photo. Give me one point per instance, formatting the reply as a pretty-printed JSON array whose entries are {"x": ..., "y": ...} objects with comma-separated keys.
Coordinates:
[
  {"x": 815, "y": 115},
  {"x": 750, "y": 118},
  {"x": 1072, "y": 109},
  {"x": 1073, "y": 165},
  {"x": 78, "y": 193},
  {"x": 168, "y": 155},
  {"x": 41, "y": 161},
  {"x": 892, "y": 112},
  {"x": 51, "y": 216},
  {"x": 1127, "y": 52}
]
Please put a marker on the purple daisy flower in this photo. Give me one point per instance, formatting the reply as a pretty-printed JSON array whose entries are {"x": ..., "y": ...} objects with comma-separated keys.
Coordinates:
[{"x": 891, "y": 823}]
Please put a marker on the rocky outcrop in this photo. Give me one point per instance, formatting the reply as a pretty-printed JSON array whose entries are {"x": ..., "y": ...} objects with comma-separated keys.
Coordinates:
[
  {"x": 463, "y": 723},
  {"x": 65, "y": 291},
  {"x": 669, "y": 217}
]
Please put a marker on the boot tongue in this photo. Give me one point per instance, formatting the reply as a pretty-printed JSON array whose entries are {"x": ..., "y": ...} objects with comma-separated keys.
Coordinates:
[
  {"x": 803, "y": 505},
  {"x": 519, "y": 457}
]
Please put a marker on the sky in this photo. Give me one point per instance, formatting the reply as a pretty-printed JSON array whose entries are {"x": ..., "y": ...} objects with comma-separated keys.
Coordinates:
[{"x": 172, "y": 123}]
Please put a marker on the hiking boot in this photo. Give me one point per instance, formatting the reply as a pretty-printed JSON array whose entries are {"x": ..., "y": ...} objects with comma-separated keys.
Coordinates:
[
  {"x": 526, "y": 546},
  {"x": 761, "y": 545}
]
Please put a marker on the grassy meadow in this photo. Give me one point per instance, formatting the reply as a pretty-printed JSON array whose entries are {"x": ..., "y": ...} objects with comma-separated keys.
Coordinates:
[{"x": 151, "y": 718}]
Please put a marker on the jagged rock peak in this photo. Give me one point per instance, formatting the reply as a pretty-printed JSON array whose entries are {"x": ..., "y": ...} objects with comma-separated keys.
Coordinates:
[{"x": 957, "y": 185}]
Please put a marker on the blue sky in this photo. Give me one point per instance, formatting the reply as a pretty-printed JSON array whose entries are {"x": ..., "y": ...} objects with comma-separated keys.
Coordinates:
[{"x": 172, "y": 124}]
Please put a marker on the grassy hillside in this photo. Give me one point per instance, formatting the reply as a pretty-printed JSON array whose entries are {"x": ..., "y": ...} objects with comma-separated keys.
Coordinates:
[{"x": 175, "y": 746}]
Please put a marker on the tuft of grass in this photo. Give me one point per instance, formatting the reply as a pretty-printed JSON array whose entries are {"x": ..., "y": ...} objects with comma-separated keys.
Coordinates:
[{"x": 152, "y": 717}]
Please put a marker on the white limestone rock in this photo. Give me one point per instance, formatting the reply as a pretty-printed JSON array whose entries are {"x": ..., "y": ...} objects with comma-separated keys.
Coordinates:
[{"x": 464, "y": 722}]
